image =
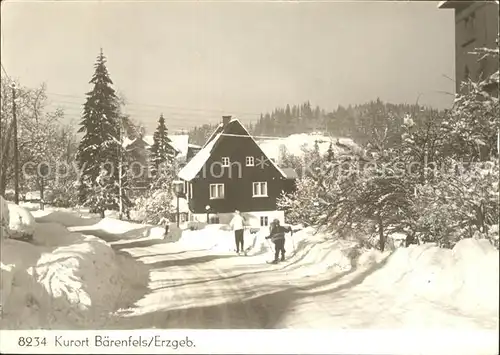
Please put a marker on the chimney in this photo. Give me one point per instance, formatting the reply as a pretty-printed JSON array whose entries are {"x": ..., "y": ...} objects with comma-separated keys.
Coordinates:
[{"x": 225, "y": 120}]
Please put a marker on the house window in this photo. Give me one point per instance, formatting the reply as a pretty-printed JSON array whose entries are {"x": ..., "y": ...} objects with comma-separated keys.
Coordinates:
[
  {"x": 250, "y": 161},
  {"x": 190, "y": 190},
  {"x": 216, "y": 191},
  {"x": 260, "y": 189},
  {"x": 225, "y": 161},
  {"x": 264, "y": 221}
]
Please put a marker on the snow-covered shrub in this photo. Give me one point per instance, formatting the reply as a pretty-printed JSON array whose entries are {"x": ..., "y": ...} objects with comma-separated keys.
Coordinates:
[
  {"x": 152, "y": 207},
  {"x": 458, "y": 205},
  {"x": 21, "y": 222},
  {"x": 301, "y": 204},
  {"x": 405, "y": 181},
  {"x": 65, "y": 195}
]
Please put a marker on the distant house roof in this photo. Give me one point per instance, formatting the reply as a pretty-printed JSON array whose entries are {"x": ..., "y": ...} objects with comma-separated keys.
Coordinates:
[
  {"x": 191, "y": 169},
  {"x": 290, "y": 173},
  {"x": 178, "y": 141}
]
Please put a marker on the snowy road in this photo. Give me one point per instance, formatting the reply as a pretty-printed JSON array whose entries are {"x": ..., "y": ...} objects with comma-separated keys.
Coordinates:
[{"x": 199, "y": 289}]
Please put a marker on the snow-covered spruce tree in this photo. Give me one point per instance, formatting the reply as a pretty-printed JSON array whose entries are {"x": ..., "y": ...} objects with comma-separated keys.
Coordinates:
[
  {"x": 99, "y": 150},
  {"x": 157, "y": 202},
  {"x": 330, "y": 154},
  {"x": 162, "y": 151}
]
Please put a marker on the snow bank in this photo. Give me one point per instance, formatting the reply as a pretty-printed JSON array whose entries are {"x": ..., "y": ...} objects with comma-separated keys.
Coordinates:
[
  {"x": 210, "y": 237},
  {"x": 220, "y": 238},
  {"x": 84, "y": 275},
  {"x": 21, "y": 222},
  {"x": 62, "y": 280},
  {"x": 319, "y": 252},
  {"x": 25, "y": 303},
  {"x": 125, "y": 230},
  {"x": 466, "y": 276},
  {"x": 65, "y": 217},
  {"x": 322, "y": 253},
  {"x": 30, "y": 206},
  {"x": 54, "y": 235}
]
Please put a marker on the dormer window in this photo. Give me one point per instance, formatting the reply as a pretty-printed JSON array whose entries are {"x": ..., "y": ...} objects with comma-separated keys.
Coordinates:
[
  {"x": 225, "y": 161},
  {"x": 250, "y": 161}
]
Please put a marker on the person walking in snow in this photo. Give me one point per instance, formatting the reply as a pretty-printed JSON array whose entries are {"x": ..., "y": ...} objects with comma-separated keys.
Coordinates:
[
  {"x": 238, "y": 225},
  {"x": 165, "y": 221},
  {"x": 277, "y": 236}
]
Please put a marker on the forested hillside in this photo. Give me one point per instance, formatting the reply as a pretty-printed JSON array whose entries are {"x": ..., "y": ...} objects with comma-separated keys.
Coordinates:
[{"x": 356, "y": 122}]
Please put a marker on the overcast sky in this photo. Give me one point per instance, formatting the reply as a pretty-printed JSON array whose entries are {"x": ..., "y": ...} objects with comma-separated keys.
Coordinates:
[{"x": 195, "y": 61}]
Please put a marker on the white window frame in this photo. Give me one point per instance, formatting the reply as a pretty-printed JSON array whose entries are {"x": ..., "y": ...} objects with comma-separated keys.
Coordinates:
[
  {"x": 190, "y": 190},
  {"x": 259, "y": 189},
  {"x": 250, "y": 161},
  {"x": 217, "y": 191},
  {"x": 264, "y": 221},
  {"x": 225, "y": 161}
]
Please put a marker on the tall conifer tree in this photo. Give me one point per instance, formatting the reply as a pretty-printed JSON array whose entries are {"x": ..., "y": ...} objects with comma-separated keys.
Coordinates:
[
  {"x": 162, "y": 152},
  {"x": 100, "y": 148}
]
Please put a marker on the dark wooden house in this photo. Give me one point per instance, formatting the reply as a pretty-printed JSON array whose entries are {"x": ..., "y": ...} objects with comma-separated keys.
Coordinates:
[{"x": 231, "y": 172}]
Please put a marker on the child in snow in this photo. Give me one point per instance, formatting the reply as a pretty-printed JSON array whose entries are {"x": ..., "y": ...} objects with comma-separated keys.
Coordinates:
[
  {"x": 277, "y": 236},
  {"x": 165, "y": 221},
  {"x": 238, "y": 225}
]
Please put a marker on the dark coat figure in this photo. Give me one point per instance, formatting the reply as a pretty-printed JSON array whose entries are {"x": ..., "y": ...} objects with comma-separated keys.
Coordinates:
[{"x": 277, "y": 236}]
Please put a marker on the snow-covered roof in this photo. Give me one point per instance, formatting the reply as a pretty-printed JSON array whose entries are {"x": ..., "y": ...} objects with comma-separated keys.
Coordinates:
[
  {"x": 191, "y": 169},
  {"x": 127, "y": 142},
  {"x": 178, "y": 141},
  {"x": 149, "y": 139}
]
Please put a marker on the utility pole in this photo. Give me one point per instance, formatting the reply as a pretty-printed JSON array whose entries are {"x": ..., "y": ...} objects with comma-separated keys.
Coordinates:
[
  {"x": 16, "y": 148},
  {"x": 120, "y": 189},
  {"x": 178, "y": 210}
]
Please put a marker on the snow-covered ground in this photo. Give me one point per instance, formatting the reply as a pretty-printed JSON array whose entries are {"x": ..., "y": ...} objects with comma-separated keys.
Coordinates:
[
  {"x": 295, "y": 143},
  {"x": 81, "y": 272},
  {"x": 60, "y": 279}
]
